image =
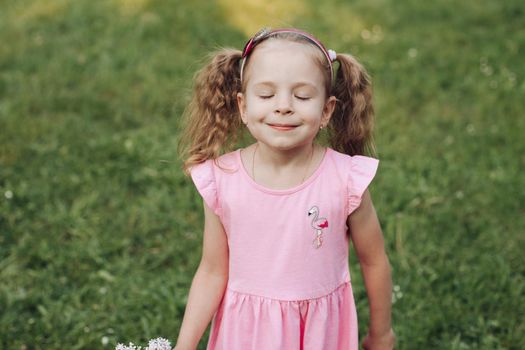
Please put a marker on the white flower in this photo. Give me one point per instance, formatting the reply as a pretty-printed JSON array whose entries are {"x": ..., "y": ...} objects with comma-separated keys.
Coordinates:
[
  {"x": 396, "y": 293},
  {"x": 366, "y": 34},
  {"x": 154, "y": 344},
  {"x": 128, "y": 144},
  {"x": 131, "y": 346},
  {"x": 104, "y": 340},
  {"x": 159, "y": 344}
]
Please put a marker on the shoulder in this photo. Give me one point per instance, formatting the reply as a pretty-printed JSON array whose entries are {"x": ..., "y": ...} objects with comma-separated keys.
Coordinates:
[
  {"x": 210, "y": 175},
  {"x": 356, "y": 173},
  {"x": 355, "y": 161},
  {"x": 228, "y": 162},
  {"x": 225, "y": 163},
  {"x": 347, "y": 165}
]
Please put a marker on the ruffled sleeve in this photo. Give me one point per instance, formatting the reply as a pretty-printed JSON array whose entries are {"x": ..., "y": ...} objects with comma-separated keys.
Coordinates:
[
  {"x": 361, "y": 172},
  {"x": 203, "y": 177}
]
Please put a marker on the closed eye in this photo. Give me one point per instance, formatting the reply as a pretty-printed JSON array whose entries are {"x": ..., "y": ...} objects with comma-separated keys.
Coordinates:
[
  {"x": 265, "y": 97},
  {"x": 302, "y": 98}
]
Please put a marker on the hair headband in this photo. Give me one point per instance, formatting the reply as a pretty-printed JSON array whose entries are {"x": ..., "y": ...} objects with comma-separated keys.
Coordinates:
[{"x": 265, "y": 33}]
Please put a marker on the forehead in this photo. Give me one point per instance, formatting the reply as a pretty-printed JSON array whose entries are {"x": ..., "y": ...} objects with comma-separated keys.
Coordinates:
[{"x": 280, "y": 60}]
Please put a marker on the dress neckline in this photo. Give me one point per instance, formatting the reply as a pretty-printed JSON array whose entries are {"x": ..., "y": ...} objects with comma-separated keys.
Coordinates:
[{"x": 296, "y": 188}]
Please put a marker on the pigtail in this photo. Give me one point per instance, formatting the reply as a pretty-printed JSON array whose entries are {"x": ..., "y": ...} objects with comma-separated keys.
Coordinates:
[
  {"x": 212, "y": 120},
  {"x": 350, "y": 128}
]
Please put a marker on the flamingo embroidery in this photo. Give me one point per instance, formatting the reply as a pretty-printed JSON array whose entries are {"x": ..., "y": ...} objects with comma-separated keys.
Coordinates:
[{"x": 318, "y": 224}]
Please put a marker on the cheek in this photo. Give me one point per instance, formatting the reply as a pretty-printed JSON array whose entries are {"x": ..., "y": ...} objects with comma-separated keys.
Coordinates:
[
  {"x": 255, "y": 106},
  {"x": 315, "y": 110}
]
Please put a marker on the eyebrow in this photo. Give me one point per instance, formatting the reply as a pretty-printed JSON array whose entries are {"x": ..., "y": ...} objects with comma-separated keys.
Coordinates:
[{"x": 296, "y": 85}]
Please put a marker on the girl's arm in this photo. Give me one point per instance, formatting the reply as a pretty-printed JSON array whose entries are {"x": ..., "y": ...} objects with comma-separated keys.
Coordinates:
[
  {"x": 366, "y": 235},
  {"x": 208, "y": 284}
]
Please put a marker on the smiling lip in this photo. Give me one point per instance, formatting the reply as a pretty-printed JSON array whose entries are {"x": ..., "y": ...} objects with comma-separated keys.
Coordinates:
[{"x": 282, "y": 127}]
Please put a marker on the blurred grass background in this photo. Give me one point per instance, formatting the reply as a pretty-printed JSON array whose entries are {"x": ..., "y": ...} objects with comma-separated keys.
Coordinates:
[{"x": 100, "y": 232}]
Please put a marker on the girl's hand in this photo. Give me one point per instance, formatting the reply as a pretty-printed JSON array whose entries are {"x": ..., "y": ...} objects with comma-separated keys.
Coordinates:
[{"x": 384, "y": 342}]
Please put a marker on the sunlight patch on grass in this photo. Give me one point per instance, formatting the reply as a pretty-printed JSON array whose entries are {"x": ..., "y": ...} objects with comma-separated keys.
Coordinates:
[
  {"x": 345, "y": 24},
  {"x": 131, "y": 7},
  {"x": 251, "y": 15},
  {"x": 39, "y": 9}
]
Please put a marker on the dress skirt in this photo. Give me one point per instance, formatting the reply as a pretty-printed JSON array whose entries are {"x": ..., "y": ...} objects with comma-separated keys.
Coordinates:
[{"x": 250, "y": 322}]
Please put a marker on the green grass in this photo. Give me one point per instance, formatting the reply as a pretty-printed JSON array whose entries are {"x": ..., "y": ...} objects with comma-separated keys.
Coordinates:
[{"x": 100, "y": 231}]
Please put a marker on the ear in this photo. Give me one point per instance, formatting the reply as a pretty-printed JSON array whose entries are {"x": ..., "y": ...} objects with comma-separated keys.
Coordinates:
[
  {"x": 328, "y": 109},
  {"x": 241, "y": 104}
]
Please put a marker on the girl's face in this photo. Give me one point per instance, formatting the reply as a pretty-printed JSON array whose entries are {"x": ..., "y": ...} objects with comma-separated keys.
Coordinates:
[{"x": 284, "y": 102}]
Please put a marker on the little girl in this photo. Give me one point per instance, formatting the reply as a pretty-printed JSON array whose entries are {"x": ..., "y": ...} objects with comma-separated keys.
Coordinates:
[{"x": 279, "y": 213}]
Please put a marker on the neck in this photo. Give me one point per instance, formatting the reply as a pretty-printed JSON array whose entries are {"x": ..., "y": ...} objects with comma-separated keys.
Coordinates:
[{"x": 296, "y": 157}]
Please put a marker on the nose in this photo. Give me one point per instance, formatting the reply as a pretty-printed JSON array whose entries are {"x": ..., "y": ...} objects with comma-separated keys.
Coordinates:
[{"x": 283, "y": 105}]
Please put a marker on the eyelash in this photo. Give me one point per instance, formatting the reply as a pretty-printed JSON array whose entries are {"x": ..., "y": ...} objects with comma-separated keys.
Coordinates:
[{"x": 298, "y": 97}]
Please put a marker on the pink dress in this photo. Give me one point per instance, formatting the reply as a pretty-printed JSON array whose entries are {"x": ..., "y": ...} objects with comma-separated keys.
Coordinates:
[{"x": 289, "y": 280}]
